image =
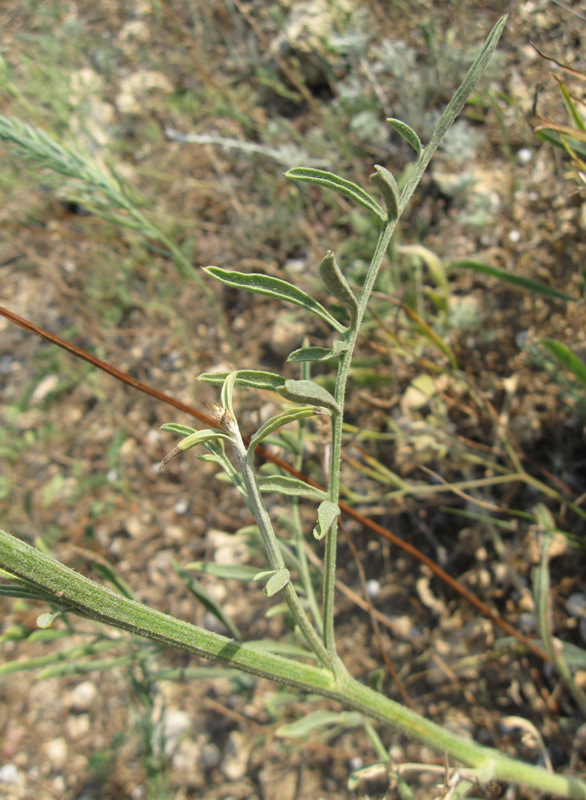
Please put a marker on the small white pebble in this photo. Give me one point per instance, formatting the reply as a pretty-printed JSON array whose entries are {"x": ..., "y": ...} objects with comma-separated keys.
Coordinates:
[
  {"x": 524, "y": 155},
  {"x": 112, "y": 475},
  {"x": 8, "y": 774},
  {"x": 210, "y": 756},
  {"x": 521, "y": 339},
  {"x": 181, "y": 507},
  {"x": 372, "y": 588},
  {"x": 514, "y": 236}
]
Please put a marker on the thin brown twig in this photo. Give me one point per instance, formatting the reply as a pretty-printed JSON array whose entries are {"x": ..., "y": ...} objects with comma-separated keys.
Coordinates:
[{"x": 408, "y": 548}]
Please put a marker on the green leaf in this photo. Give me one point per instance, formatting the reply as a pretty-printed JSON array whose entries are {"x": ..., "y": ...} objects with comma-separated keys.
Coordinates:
[
  {"x": 271, "y": 425},
  {"x": 291, "y": 487},
  {"x": 274, "y": 287},
  {"x": 517, "y": 280},
  {"x": 278, "y": 581},
  {"x": 208, "y": 602},
  {"x": 407, "y": 133},
  {"x": 346, "y": 188},
  {"x": 311, "y": 354},
  {"x": 199, "y": 437},
  {"x": 227, "y": 392},
  {"x": 173, "y": 427},
  {"x": 336, "y": 283},
  {"x": 233, "y": 572},
  {"x": 302, "y": 728},
  {"x": 327, "y": 512},
  {"x": 389, "y": 191},
  {"x": 319, "y": 353},
  {"x": 310, "y": 393},
  {"x": 252, "y": 378},
  {"x": 565, "y": 358}
]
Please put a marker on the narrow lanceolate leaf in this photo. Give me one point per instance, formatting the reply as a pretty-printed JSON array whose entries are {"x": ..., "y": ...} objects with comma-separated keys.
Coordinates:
[
  {"x": 407, "y": 133},
  {"x": 252, "y": 378},
  {"x": 173, "y": 427},
  {"x": 336, "y": 283},
  {"x": 509, "y": 277},
  {"x": 319, "y": 353},
  {"x": 311, "y": 354},
  {"x": 389, "y": 191},
  {"x": 271, "y": 425},
  {"x": 310, "y": 393},
  {"x": 346, "y": 188},
  {"x": 199, "y": 437},
  {"x": 290, "y": 486},
  {"x": 327, "y": 512},
  {"x": 566, "y": 359},
  {"x": 274, "y": 287}
]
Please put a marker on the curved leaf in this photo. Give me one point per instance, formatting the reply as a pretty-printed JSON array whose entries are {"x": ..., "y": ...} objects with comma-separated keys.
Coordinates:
[
  {"x": 277, "y": 582},
  {"x": 199, "y": 437},
  {"x": 274, "y": 287},
  {"x": 339, "y": 185},
  {"x": 310, "y": 393},
  {"x": 389, "y": 191},
  {"x": 271, "y": 425},
  {"x": 335, "y": 282},
  {"x": 327, "y": 512},
  {"x": 407, "y": 133}
]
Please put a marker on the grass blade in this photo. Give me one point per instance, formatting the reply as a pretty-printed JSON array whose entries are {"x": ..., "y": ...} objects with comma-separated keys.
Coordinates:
[{"x": 530, "y": 284}]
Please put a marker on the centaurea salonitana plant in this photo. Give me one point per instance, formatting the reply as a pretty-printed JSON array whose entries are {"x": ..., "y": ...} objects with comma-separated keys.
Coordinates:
[{"x": 45, "y": 579}]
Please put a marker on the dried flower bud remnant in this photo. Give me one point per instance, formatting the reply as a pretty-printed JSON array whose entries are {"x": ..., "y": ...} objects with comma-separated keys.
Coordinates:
[{"x": 220, "y": 415}]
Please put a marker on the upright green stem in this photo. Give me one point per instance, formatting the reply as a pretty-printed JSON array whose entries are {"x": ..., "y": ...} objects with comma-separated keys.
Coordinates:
[
  {"x": 337, "y": 423},
  {"x": 304, "y": 575},
  {"x": 452, "y": 110},
  {"x": 272, "y": 549}
]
